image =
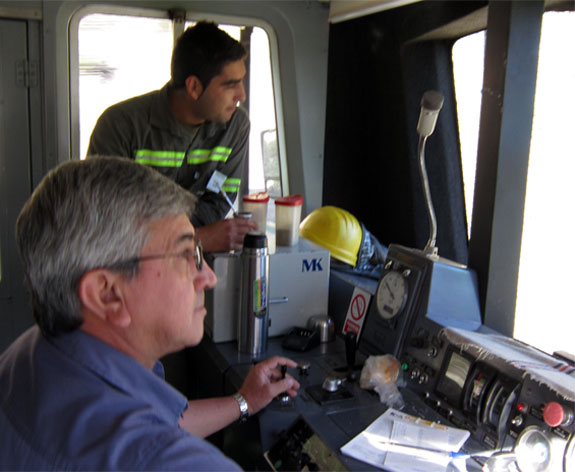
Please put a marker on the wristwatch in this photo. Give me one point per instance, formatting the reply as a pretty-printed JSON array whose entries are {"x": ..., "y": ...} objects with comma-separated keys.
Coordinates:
[{"x": 243, "y": 404}]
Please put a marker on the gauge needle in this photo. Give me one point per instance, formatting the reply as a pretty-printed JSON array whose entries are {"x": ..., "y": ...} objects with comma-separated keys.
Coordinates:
[{"x": 390, "y": 291}]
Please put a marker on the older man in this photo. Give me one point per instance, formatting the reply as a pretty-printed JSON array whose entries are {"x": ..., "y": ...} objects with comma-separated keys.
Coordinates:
[{"x": 117, "y": 280}]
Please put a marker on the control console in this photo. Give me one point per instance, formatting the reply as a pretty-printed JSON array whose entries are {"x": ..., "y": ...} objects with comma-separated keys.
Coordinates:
[
  {"x": 509, "y": 396},
  {"x": 516, "y": 402}
]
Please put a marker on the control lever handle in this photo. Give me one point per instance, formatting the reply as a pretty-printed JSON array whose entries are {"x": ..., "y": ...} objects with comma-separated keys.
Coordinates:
[
  {"x": 350, "y": 349},
  {"x": 283, "y": 398}
]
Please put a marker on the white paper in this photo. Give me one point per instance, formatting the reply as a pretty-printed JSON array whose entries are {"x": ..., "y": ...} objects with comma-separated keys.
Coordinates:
[{"x": 382, "y": 443}]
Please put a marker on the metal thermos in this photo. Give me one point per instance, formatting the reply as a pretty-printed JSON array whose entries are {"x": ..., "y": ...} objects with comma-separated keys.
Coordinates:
[{"x": 254, "y": 290}]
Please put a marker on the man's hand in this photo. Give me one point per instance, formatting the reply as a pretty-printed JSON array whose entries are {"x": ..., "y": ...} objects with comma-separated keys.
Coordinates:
[
  {"x": 264, "y": 382},
  {"x": 225, "y": 235}
]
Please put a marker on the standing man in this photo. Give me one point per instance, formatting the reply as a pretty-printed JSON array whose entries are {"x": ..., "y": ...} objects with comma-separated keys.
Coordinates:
[
  {"x": 117, "y": 279},
  {"x": 190, "y": 128}
]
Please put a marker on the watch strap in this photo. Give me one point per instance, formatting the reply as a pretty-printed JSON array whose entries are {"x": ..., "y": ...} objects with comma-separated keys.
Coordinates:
[{"x": 243, "y": 404}]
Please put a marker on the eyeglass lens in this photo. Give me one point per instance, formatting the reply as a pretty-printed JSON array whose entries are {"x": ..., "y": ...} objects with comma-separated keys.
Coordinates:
[{"x": 199, "y": 255}]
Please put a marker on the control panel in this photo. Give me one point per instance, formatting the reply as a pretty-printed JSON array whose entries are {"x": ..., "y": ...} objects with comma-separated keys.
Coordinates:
[
  {"x": 396, "y": 303},
  {"x": 509, "y": 396},
  {"x": 506, "y": 404},
  {"x": 414, "y": 287},
  {"x": 516, "y": 402}
]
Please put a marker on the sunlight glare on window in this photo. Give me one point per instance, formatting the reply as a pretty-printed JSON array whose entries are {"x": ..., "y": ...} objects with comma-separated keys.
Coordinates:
[
  {"x": 544, "y": 314},
  {"x": 468, "y": 55},
  {"x": 119, "y": 57}
]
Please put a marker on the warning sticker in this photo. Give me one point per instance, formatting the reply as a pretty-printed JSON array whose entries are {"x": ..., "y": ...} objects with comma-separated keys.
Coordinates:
[{"x": 356, "y": 311}]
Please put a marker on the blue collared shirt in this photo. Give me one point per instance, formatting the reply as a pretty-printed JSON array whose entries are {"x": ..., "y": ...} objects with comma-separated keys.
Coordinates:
[{"x": 75, "y": 403}]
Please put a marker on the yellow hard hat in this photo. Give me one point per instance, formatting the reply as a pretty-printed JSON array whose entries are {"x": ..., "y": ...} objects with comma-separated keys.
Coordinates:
[{"x": 336, "y": 230}]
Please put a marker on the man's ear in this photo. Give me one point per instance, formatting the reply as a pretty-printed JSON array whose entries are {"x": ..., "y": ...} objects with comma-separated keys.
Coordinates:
[
  {"x": 194, "y": 87},
  {"x": 101, "y": 293}
]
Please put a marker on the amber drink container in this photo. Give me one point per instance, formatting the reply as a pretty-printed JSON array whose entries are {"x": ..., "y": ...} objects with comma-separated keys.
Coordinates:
[{"x": 288, "y": 215}]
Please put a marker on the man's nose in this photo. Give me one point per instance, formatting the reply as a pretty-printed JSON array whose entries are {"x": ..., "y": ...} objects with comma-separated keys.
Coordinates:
[
  {"x": 241, "y": 96},
  {"x": 206, "y": 279}
]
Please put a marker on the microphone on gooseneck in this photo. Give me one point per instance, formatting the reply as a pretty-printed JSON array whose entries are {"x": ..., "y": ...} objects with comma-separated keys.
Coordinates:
[{"x": 431, "y": 104}]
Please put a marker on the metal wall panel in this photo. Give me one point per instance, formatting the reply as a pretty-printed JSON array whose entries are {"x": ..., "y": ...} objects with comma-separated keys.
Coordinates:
[{"x": 17, "y": 75}]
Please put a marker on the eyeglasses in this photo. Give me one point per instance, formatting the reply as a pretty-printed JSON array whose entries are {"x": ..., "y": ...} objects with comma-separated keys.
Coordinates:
[{"x": 192, "y": 256}]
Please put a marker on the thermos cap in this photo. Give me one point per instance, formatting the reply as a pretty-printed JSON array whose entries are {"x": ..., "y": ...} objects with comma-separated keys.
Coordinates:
[{"x": 255, "y": 241}]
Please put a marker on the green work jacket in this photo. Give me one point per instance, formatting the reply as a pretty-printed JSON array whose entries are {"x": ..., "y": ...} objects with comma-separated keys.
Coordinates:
[{"x": 143, "y": 128}]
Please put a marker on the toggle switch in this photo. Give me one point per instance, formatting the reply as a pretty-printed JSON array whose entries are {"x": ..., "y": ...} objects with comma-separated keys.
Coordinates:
[{"x": 350, "y": 350}]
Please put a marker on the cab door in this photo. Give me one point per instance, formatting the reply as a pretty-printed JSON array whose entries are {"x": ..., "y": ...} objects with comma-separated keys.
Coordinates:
[{"x": 18, "y": 76}]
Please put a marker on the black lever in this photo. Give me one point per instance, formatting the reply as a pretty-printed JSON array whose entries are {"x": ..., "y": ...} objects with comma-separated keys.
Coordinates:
[
  {"x": 283, "y": 397},
  {"x": 350, "y": 348}
]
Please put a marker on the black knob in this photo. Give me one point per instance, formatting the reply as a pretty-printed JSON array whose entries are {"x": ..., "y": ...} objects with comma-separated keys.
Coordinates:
[
  {"x": 418, "y": 342},
  {"x": 303, "y": 367},
  {"x": 350, "y": 348}
]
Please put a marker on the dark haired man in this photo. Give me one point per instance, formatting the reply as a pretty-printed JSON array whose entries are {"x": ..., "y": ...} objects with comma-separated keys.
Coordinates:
[{"x": 191, "y": 128}]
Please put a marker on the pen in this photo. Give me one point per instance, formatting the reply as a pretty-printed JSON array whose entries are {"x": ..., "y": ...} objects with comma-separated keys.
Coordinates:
[
  {"x": 429, "y": 452},
  {"x": 423, "y": 452}
]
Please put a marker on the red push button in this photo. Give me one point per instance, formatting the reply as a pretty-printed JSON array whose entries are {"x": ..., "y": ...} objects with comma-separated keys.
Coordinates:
[{"x": 553, "y": 414}]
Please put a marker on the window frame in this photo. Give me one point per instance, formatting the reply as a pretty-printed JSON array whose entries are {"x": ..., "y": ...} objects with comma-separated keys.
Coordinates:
[
  {"x": 503, "y": 155},
  {"x": 74, "y": 69},
  {"x": 495, "y": 239},
  {"x": 526, "y": 309}
]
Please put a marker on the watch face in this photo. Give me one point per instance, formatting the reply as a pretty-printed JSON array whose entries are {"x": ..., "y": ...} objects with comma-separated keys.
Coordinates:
[{"x": 391, "y": 294}]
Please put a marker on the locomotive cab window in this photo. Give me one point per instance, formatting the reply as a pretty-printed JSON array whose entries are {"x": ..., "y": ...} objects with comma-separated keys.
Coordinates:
[
  {"x": 120, "y": 56},
  {"x": 544, "y": 316}
]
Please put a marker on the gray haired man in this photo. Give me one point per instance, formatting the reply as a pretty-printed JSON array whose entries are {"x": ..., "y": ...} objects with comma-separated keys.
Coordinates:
[{"x": 117, "y": 280}]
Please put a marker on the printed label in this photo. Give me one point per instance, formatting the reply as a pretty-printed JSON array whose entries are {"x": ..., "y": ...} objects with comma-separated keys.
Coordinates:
[
  {"x": 356, "y": 311},
  {"x": 259, "y": 295},
  {"x": 313, "y": 265}
]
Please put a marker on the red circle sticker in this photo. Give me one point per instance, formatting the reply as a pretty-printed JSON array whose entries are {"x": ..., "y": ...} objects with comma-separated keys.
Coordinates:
[{"x": 358, "y": 305}]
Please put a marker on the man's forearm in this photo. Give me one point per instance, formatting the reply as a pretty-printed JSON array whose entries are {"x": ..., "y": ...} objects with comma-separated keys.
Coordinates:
[{"x": 207, "y": 416}]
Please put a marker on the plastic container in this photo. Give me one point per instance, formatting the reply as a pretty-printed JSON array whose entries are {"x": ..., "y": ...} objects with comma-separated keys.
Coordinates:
[
  {"x": 254, "y": 293},
  {"x": 288, "y": 215},
  {"x": 257, "y": 205}
]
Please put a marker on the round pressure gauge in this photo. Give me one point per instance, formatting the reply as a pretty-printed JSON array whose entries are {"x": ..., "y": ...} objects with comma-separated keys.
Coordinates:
[
  {"x": 533, "y": 450},
  {"x": 391, "y": 294}
]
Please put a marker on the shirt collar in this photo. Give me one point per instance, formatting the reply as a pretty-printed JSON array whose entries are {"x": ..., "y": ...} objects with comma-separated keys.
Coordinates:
[{"x": 123, "y": 371}]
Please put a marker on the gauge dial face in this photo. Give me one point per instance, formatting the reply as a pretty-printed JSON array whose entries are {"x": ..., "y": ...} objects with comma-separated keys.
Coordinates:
[
  {"x": 533, "y": 450},
  {"x": 391, "y": 294}
]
